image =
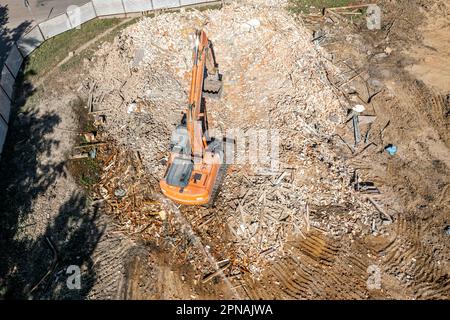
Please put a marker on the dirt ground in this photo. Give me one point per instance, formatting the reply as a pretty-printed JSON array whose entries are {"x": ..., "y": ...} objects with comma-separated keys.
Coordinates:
[
  {"x": 413, "y": 253},
  {"x": 399, "y": 73}
]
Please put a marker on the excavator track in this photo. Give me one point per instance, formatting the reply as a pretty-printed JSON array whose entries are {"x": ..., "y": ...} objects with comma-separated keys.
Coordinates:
[
  {"x": 217, "y": 185},
  {"x": 313, "y": 267},
  {"x": 222, "y": 171}
]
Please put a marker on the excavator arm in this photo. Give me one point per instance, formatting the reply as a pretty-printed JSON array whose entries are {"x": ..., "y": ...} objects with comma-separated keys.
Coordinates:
[{"x": 205, "y": 79}]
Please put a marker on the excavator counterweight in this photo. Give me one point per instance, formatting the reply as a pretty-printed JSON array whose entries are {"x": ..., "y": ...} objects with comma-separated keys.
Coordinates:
[{"x": 195, "y": 160}]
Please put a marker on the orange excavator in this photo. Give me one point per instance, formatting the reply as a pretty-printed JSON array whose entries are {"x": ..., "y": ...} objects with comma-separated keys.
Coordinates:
[{"x": 195, "y": 165}]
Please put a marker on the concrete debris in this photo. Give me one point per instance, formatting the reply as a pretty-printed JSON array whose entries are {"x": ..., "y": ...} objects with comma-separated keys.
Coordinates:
[
  {"x": 250, "y": 25},
  {"x": 132, "y": 107},
  {"x": 359, "y": 108},
  {"x": 120, "y": 193},
  {"x": 367, "y": 119},
  {"x": 275, "y": 79}
]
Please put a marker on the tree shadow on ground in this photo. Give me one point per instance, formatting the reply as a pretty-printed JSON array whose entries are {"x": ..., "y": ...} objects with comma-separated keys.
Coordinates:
[
  {"x": 68, "y": 239},
  {"x": 34, "y": 256},
  {"x": 36, "y": 248},
  {"x": 9, "y": 36}
]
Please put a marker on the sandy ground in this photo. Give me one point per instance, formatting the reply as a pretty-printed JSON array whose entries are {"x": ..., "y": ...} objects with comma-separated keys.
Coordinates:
[{"x": 433, "y": 55}]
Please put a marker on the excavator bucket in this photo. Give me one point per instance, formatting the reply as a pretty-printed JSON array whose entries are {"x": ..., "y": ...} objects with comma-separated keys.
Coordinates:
[{"x": 212, "y": 86}]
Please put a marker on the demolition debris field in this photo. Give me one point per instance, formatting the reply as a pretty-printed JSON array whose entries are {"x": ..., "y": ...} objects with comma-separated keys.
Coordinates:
[{"x": 337, "y": 213}]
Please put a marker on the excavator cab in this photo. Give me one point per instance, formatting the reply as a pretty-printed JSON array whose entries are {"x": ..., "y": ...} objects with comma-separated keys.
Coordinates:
[
  {"x": 180, "y": 172},
  {"x": 195, "y": 165}
]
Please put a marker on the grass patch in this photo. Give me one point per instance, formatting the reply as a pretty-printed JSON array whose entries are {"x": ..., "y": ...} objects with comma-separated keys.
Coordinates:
[
  {"x": 52, "y": 51},
  {"x": 87, "y": 171},
  {"x": 309, "y": 6}
]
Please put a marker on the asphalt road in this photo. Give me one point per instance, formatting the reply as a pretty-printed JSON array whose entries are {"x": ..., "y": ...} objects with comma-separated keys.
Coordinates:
[{"x": 17, "y": 17}]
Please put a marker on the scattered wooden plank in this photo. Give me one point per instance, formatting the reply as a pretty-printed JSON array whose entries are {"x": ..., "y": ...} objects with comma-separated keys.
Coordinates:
[
  {"x": 379, "y": 209},
  {"x": 96, "y": 144},
  {"x": 355, "y": 6},
  {"x": 215, "y": 273},
  {"x": 52, "y": 267},
  {"x": 356, "y": 130},
  {"x": 80, "y": 156},
  {"x": 307, "y": 218}
]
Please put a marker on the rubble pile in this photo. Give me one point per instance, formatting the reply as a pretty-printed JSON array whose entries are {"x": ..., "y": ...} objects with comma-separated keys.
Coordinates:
[
  {"x": 141, "y": 104},
  {"x": 129, "y": 192},
  {"x": 274, "y": 79}
]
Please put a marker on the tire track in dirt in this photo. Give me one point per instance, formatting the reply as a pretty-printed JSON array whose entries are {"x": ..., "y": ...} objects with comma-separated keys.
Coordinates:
[
  {"x": 313, "y": 267},
  {"x": 413, "y": 263},
  {"x": 108, "y": 263}
]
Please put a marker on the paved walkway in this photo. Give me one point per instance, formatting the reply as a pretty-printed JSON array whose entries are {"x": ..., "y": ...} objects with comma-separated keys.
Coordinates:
[
  {"x": 16, "y": 17},
  {"x": 37, "y": 11}
]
